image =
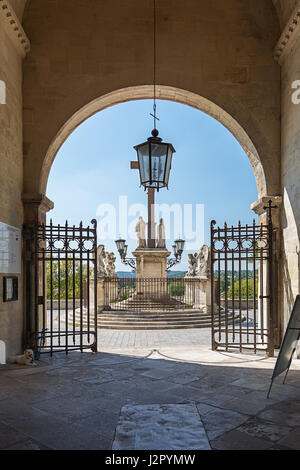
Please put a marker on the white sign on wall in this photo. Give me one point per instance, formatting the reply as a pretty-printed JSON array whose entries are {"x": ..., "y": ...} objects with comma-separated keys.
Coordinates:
[{"x": 10, "y": 249}]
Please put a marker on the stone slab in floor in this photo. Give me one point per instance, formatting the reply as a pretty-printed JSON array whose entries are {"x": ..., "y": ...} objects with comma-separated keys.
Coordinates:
[{"x": 160, "y": 427}]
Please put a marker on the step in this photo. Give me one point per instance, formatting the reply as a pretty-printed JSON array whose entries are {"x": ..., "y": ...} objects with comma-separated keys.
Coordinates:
[
  {"x": 141, "y": 321},
  {"x": 120, "y": 320},
  {"x": 159, "y": 318},
  {"x": 153, "y": 317},
  {"x": 175, "y": 326},
  {"x": 138, "y": 326}
]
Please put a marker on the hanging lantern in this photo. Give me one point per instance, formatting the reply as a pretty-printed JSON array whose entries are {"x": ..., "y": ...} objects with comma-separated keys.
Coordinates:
[
  {"x": 121, "y": 247},
  {"x": 155, "y": 162},
  {"x": 179, "y": 246}
]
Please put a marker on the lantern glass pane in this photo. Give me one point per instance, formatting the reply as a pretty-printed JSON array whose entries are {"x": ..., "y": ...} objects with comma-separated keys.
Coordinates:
[
  {"x": 120, "y": 244},
  {"x": 143, "y": 157},
  {"x": 169, "y": 164},
  {"x": 180, "y": 245},
  {"x": 158, "y": 163}
]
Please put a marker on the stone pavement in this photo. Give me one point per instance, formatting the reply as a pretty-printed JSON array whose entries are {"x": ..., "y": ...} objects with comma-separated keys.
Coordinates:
[
  {"x": 118, "y": 339},
  {"x": 81, "y": 401}
]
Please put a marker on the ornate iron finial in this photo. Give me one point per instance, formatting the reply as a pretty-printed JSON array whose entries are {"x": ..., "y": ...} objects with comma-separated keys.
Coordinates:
[{"x": 269, "y": 209}]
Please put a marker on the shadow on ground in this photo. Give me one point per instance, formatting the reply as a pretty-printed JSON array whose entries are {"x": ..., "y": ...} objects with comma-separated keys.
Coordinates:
[{"x": 75, "y": 402}]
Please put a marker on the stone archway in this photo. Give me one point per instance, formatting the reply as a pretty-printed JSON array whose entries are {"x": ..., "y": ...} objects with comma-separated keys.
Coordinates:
[{"x": 165, "y": 93}]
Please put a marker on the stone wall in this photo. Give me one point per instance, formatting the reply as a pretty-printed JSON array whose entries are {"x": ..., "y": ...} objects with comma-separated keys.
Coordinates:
[
  {"x": 290, "y": 176},
  {"x": 11, "y": 172},
  {"x": 284, "y": 10}
]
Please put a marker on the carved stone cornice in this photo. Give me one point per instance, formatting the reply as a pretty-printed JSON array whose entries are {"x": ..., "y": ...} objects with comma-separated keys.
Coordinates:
[
  {"x": 40, "y": 200},
  {"x": 13, "y": 27},
  {"x": 289, "y": 35},
  {"x": 259, "y": 207}
]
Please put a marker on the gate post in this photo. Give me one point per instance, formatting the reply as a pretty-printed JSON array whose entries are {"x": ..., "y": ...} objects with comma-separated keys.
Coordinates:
[
  {"x": 212, "y": 277},
  {"x": 264, "y": 208},
  {"x": 271, "y": 278},
  {"x": 29, "y": 289},
  {"x": 36, "y": 207}
]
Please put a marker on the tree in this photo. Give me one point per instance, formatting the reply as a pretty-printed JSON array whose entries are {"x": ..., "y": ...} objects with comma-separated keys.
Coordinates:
[
  {"x": 176, "y": 289},
  {"x": 244, "y": 285},
  {"x": 62, "y": 270}
]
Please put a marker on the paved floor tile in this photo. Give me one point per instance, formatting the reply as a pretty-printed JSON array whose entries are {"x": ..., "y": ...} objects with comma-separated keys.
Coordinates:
[
  {"x": 9, "y": 436},
  {"x": 265, "y": 430},
  {"x": 219, "y": 421},
  {"x": 292, "y": 439},
  {"x": 235, "y": 440},
  {"x": 160, "y": 427}
]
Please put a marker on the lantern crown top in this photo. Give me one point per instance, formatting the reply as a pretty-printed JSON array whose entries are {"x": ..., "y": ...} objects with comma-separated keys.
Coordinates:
[{"x": 154, "y": 137}]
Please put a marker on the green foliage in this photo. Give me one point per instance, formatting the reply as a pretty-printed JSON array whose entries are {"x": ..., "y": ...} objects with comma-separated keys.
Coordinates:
[
  {"x": 125, "y": 292},
  {"x": 60, "y": 272},
  {"x": 176, "y": 289},
  {"x": 235, "y": 275},
  {"x": 244, "y": 285}
]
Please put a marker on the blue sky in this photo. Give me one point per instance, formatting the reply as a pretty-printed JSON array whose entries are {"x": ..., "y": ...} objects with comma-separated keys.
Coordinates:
[{"x": 209, "y": 168}]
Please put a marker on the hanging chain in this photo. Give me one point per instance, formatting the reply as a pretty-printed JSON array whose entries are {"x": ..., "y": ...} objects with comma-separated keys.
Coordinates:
[
  {"x": 155, "y": 118},
  {"x": 154, "y": 60}
]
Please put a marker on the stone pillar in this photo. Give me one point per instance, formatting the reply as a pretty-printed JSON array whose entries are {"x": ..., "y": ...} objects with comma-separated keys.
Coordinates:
[
  {"x": 36, "y": 207},
  {"x": 203, "y": 295},
  {"x": 35, "y": 210},
  {"x": 290, "y": 163},
  {"x": 101, "y": 293},
  {"x": 259, "y": 207},
  {"x": 198, "y": 293},
  {"x": 287, "y": 54},
  {"x": 14, "y": 45}
]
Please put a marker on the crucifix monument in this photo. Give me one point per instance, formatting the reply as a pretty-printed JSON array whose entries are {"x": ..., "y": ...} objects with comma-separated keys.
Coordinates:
[{"x": 151, "y": 254}]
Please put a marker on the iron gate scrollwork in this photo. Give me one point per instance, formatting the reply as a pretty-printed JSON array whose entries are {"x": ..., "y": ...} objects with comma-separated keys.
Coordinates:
[
  {"x": 242, "y": 286},
  {"x": 66, "y": 287}
]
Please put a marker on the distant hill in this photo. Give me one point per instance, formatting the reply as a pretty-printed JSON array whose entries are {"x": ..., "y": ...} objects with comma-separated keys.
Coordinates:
[
  {"x": 128, "y": 274},
  {"x": 177, "y": 273}
]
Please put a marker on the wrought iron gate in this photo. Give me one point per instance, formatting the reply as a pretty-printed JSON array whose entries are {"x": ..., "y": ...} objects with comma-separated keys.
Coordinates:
[
  {"x": 242, "y": 290},
  {"x": 152, "y": 295},
  {"x": 66, "y": 287}
]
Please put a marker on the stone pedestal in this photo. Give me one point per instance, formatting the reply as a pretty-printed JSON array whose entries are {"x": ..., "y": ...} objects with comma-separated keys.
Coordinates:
[
  {"x": 198, "y": 293},
  {"x": 151, "y": 262},
  {"x": 107, "y": 291},
  {"x": 151, "y": 272}
]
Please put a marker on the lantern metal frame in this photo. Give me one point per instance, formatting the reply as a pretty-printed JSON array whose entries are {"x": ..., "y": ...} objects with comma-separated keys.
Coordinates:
[
  {"x": 178, "y": 249},
  {"x": 167, "y": 154},
  {"x": 122, "y": 249}
]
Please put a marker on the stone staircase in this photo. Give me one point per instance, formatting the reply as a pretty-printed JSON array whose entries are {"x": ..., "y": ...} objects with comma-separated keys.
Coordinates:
[
  {"x": 122, "y": 320},
  {"x": 151, "y": 304}
]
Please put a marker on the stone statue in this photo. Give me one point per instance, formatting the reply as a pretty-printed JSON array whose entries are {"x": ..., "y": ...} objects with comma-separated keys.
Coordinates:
[
  {"x": 101, "y": 256},
  {"x": 193, "y": 261},
  {"x": 161, "y": 235},
  {"x": 110, "y": 260},
  {"x": 140, "y": 229},
  {"x": 204, "y": 258}
]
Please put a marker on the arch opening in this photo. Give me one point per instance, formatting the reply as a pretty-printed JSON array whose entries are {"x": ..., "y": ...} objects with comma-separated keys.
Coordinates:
[{"x": 164, "y": 93}]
